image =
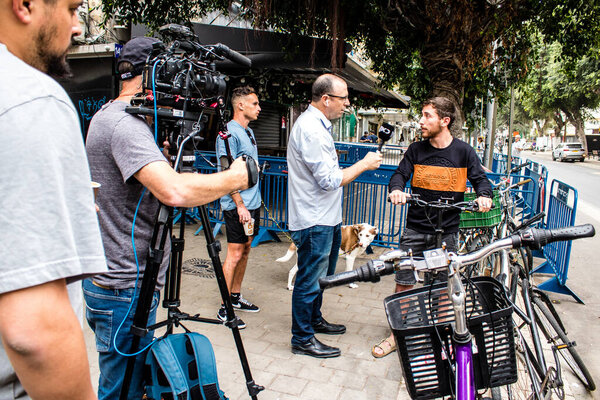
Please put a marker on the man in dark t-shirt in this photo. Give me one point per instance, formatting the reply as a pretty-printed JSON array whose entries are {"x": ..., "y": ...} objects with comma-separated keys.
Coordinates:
[{"x": 437, "y": 167}]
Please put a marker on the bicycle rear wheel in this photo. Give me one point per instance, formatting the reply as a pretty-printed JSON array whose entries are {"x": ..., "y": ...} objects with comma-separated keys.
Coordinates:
[
  {"x": 530, "y": 375},
  {"x": 556, "y": 336}
]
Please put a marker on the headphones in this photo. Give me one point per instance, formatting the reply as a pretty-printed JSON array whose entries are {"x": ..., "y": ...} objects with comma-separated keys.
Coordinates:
[{"x": 327, "y": 103}]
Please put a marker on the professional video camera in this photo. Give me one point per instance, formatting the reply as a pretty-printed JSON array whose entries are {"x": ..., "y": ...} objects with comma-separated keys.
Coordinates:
[{"x": 181, "y": 83}]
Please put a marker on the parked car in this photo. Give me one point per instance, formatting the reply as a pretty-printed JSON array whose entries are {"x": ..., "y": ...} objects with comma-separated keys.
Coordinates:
[{"x": 568, "y": 151}]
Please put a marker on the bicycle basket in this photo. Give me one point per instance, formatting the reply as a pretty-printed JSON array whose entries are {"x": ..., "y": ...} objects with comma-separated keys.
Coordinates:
[
  {"x": 421, "y": 322},
  {"x": 470, "y": 219}
]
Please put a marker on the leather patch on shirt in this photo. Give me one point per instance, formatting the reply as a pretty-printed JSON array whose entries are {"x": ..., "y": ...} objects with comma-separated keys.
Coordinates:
[{"x": 446, "y": 179}]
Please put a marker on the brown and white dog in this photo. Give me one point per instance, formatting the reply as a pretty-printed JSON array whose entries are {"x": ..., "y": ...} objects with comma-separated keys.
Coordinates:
[{"x": 355, "y": 240}]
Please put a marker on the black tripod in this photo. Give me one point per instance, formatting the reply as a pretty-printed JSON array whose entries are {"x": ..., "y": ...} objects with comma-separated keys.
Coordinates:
[{"x": 162, "y": 229}]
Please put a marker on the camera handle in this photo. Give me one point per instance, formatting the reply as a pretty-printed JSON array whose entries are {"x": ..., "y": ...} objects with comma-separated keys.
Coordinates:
[{"x": 139, "y": 328}]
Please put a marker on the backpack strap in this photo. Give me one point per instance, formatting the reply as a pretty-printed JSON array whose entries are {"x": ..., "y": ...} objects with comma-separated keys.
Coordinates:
[
  {"x": 165, "y": 356},
  {"x": 207, "y": 366}
]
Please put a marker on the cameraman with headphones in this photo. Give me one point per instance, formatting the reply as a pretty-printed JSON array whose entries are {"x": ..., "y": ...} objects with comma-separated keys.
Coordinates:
[{"x": 135, "y": 176}]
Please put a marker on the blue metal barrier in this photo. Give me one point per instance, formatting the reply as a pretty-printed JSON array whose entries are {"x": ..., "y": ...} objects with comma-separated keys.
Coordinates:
[
  {"x": 535, "y": 195},
  {"x": 353, "y": 152},
  {"x": 562, "y": 206},
  {"x": 364, "y": 201}
]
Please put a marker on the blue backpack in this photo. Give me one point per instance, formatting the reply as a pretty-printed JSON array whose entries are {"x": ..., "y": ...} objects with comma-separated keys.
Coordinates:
[{"x": 182, "y": 366}]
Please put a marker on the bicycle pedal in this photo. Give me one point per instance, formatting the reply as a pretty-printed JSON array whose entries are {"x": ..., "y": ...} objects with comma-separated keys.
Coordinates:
[{"x": 565, "y": 345}]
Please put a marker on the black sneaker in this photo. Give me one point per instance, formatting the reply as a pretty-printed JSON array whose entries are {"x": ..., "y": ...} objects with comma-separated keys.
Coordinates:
[
  {"x": 240, "y": 303},
  {"x": 222, "y": 316}
]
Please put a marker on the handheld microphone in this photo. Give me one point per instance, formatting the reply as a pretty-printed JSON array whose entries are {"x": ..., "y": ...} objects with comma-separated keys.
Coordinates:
[{"x": 386, "y": 131}]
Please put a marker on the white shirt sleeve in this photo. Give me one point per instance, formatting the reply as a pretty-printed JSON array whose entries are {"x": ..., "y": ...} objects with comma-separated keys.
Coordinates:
[{"x": 318, "y": 153}]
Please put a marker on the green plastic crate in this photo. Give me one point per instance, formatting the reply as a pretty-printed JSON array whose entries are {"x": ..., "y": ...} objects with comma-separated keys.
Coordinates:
[{"x": 481, "y": 219}]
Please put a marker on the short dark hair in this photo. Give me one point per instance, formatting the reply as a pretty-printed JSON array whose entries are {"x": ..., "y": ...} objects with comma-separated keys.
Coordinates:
[
  {"x": 324, "y": 85},
  {"x": 124, "y": 67},
  {"x": 135, "y": 53},
  {"x": 241, "y": 91},
  {"x": 443, "y": 106}
]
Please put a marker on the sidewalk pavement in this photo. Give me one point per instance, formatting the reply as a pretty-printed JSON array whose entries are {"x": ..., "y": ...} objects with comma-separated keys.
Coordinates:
[{"x": 266, "y": 339}]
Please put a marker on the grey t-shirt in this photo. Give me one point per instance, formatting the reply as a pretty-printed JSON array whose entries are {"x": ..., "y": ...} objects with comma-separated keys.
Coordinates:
[
  {"x": 119, "y": 145},
  {"x": 49, "y": 228}
]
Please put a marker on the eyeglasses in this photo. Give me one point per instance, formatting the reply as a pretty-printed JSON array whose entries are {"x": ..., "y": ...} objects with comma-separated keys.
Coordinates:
[
  {"x": 251, "y": 138},
  {"x": 339, "y": 97}
]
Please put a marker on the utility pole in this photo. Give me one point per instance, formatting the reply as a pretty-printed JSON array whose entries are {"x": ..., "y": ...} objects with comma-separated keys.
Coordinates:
[
  {"x": 510, "y": 126},
  {"x": 490, "y": 139}
]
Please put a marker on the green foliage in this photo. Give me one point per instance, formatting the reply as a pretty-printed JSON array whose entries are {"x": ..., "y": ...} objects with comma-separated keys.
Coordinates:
[
  {"x": 157, "y": 13},
  {"x": 559, "y": 84},
  {"x": 457, "y": 48}
]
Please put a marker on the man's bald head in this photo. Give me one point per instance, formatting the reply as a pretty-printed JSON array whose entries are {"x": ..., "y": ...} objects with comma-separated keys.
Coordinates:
[
  {"x": 330, "y": 96},
  {"x": 325, "y": 84}
]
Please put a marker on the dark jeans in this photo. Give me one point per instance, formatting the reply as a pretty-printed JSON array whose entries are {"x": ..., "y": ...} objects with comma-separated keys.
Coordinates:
[
  {"x": 420, "y": 242},
  {"x": 318, "y": 248},
  {"x": 105, "y": 309}
]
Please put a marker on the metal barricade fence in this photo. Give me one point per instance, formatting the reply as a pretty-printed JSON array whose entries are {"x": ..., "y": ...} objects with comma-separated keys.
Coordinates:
[
  {"x": 535, "y": 191},
  {"x": 364, "y": 201},
  {"x": 353, "y": 152},
  {"x": 562, "y": 206}
]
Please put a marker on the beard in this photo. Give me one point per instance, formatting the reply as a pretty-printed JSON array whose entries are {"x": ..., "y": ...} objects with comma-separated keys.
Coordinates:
[{"x": 53, "y": 63}]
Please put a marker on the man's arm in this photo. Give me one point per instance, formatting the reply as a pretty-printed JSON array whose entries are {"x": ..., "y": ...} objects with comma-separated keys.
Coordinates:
[
  {"x": 371, "y": 161},
  {"x": 44, "y": 342},
  {"x": 243, "y": 213},
  {"x": 478, "y": 178},
  {"x": 190, "y": 189}
]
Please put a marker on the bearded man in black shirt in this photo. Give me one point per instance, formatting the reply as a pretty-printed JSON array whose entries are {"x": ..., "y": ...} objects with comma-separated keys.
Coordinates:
[{"x": 439, "y": 166}]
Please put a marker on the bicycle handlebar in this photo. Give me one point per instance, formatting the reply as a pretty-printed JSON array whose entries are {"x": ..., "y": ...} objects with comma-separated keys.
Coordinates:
[
  {"x": 518, "y": 167},
  {"x": 370, "y": 272},
  {"x": 398, "y": 260},
  {"x": 538, "y": 238},
  {"x": 463, "y": 205},
  {"x": 505, "y": 188}
]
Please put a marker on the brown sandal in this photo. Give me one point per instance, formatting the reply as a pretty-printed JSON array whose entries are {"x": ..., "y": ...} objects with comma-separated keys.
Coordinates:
[{"x": 385, "y": 349}]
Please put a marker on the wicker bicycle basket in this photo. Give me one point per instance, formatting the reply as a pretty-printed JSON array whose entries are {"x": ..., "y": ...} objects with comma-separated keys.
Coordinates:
[{"x": 421, "y": 322}]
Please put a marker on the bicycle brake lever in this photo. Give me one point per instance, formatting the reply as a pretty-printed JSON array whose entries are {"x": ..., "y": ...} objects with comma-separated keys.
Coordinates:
[{"x": 393, "y": 255}]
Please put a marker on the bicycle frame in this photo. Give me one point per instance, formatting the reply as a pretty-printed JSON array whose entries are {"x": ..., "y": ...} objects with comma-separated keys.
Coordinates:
[
  {"x": 462, "y": 338},
  {"x": 465, "y": 386},
  {"x": 462, "y": 341}
]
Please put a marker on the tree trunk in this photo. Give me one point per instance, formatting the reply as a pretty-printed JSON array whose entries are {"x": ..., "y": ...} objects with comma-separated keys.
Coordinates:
[
  {"x": 447, "y": 80},
  {"x": 559, "y": 124},
  {"x": 576, "y": 118},
  {"x": 538, "y": 128}
]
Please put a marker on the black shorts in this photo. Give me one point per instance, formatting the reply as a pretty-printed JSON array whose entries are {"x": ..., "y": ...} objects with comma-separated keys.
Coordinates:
[
  {"x": 235, "y": 230},
  {"x": 420, "y": 242}
]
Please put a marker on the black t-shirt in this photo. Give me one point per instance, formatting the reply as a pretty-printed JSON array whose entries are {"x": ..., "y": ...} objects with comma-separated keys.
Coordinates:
[{"x": 436, "y": 173}]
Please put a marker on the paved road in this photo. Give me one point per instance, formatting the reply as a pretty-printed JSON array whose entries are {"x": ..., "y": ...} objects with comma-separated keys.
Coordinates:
[{"x": 582, "y": 321}]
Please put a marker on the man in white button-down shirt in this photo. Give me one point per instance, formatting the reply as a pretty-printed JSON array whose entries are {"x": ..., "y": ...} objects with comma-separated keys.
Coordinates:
[{"x": 315, "y": 183}]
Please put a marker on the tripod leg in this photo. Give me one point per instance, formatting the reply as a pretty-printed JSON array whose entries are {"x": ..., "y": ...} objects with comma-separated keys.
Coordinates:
[
  {"x": 140, "y": 318},
  {"x": 213, "y": 252}
]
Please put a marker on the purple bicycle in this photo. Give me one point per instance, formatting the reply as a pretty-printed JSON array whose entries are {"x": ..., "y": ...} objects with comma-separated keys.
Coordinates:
[{"x": 453, "y": 339}]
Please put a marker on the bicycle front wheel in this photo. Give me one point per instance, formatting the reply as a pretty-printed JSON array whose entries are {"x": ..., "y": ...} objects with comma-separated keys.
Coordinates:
[
  {"x": 557, "y": 337},
  {"x": 528, "y": 385}
]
